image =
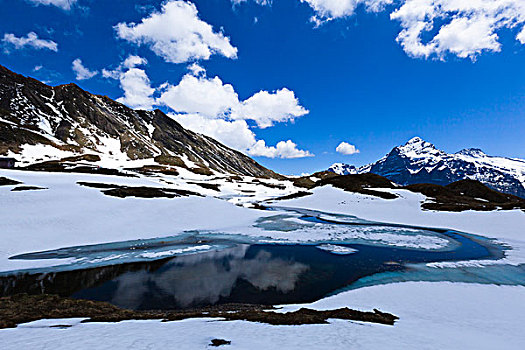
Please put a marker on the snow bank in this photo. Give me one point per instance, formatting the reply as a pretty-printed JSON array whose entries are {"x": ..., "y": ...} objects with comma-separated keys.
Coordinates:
[
  {"x": 432, "y": 316},
  {"x": 67, "y": 214}
]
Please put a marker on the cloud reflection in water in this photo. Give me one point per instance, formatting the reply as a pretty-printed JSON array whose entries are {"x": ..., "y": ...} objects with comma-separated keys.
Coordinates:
[{"x": 206, "y": 277}]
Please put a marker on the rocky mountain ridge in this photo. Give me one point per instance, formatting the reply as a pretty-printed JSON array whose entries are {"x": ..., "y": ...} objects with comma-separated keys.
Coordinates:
[
  {"x": 40, "y": 122},
  {"x": 419, "y": 161}
]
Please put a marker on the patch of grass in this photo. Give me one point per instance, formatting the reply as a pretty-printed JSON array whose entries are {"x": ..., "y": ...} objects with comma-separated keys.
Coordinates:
[
  {"x": 139, "y": 191},
  {"x": 466, "y": 195},
  {"x": 201, "y": 170},
  {"x": 215, "y": 187},
  {"x": 4, "y": 181},
  {"x": 292, "y": 196},
  {"x": 152, "y": 169},
  {"x": 83, "y": 157},
  {"x": 219, "y": 342},
  {"x": 360, "y": 183},
  {"x": 59, "y": 166},
  {"x": 170, "y": 160},
  {"x": 22, "y": 308},
  {"x": 28, "y": 188}
]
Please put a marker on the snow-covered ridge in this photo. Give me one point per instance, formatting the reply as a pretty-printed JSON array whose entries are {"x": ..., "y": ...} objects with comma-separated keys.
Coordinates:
[
  {"x": 419, "y": 161},
  {"x": 343, "y": 169}
]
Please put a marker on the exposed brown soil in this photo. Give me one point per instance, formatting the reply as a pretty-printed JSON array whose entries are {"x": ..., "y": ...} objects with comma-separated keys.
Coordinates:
[
  {"x": 304, "y": 182},
  {"x": 466, "y": 195},
  {"x": 4, "y": 181},
  {"x": 96, "y": 185},
  {"x": 258, "y": 206},
  {"x": 269, "y": 185},
  {"x": 202, "y": 170},
  {"x": 360, "y": 183},
  {"x": 292, "y": 196},
  {"x": 170, "y": 160},
  {"x": 147, "y": 192},
  {"x": 12, "y": 137},
  {"x": 308, "y": 183},
  {"x": 326, "y": 174},
  {"x": 22, "y": 308},
  {"x": 139, "y": 191},
  {"x": 27, "y": 188},
  {"x": 153, "y": 169},
  {"x": 83, "y": 157},
  {"x": 234, "y": 178},
  {"x": 208, "y": 186},
  {"x": 64, "y": 167},
  {"x": 171, "y": 172},
  {"x": 219, "y": 342},
  {"x": 457, "y": 196}
]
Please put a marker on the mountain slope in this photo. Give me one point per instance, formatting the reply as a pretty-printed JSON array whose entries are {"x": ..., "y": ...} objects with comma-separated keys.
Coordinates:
[
  {"x": 66, "y": 119},
  {"x": 419, "y": 161}
]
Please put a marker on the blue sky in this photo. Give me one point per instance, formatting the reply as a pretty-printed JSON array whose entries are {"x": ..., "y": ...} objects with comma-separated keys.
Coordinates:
[{"x": 338, "y": 72}]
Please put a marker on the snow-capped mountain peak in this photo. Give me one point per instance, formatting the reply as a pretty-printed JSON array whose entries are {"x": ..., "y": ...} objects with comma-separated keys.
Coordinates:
[
  {"x": 419, "y": 161},
  {"x": 342, "y": 169},
  {"x": 472, "y": 152},
  {"x": 417, "y": 147}
]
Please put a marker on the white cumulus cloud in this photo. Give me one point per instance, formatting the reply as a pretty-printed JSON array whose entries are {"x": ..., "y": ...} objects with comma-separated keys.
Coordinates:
[
  {"x": 82, "y": 72},
  {"x": 210, "y": 107},
  {"x": 30, "y": 40},
  {"x": 64, "y": 4},
  {"x": 138, "y": 92},
  {"x": 435, "y": 28},
  {"x": 267, "y": 108},
  {"x": 346, "y": 148},
  {"x": 210, "y": 97},
  {"x": 177, "y": 34},
  {"x": 463, "y": 28},
  {"x": 233, "y": 133},
  {"x": 283, "y": 149},
  {"x": 238, "y": 135}
]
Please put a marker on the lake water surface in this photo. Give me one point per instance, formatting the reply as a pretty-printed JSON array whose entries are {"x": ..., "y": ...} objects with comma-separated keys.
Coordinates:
[{"x": 198, "y": 269}]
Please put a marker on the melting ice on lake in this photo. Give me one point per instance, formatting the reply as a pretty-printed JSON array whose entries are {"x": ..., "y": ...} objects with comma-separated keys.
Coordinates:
[{"x": 290, "y": 257}]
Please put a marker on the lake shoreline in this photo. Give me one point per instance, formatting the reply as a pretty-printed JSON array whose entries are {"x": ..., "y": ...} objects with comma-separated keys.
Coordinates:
[{"x": 23, "y": 308}]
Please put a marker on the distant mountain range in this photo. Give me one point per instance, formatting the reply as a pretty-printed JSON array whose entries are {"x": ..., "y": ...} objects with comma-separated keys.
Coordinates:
[
  {"x": 66, "y": 121},
  {"x": 419, "y": 161}
]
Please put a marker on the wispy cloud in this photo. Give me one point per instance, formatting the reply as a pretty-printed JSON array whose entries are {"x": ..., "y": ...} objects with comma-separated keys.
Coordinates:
[
  {"x": 31, "y": 40},
  {"x": 82, "y": 73},
  {"x": 64, "y": 4}
]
